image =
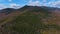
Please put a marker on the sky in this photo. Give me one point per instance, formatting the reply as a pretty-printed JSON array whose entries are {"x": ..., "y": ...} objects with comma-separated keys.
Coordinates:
[{"x": 20, "y": 3}]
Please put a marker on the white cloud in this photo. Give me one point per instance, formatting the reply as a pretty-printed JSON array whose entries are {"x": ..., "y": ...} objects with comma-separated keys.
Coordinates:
[
  {"x": 57, "y": 4},
  {"x": 2, "y": 6},
  {"x": 54, "y": 4},
  {"x": 31, "y": 3},
  {"x": 14, "y": 5},
  {"x": 35, "y": 3}
]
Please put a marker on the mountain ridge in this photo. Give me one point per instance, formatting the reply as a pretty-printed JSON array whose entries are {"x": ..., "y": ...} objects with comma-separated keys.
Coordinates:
[
  {"x": 30, "y": 20},
  {"x": 31, "y": 7}
]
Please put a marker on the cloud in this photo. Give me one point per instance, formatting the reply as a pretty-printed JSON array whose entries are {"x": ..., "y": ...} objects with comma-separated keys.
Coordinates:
[
  {"x": 35, "y": 3},
  {"x": 54, "y": 4},
  {"x": 14, "y": 5},
  {"x": 57, "y": 4},
  {"x": 2, "y": 6},
  {"x": 51, "y": 3}
]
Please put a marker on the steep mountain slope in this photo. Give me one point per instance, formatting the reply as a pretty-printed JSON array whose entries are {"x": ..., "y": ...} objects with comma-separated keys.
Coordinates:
[
  {"x": 4, "y": 12},
  {"x": 30, "y": 20},
  {"x": 7, "y": 10}
]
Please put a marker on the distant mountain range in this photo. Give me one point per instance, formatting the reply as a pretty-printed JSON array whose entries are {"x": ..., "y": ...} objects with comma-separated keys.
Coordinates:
[
  {"x": 5, "y": 12},
  {"x": 9, "y": 10}
]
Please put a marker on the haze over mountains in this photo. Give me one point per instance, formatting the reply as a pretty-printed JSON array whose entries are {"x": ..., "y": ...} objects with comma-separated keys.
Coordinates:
[{"x": 30, "y": 20}]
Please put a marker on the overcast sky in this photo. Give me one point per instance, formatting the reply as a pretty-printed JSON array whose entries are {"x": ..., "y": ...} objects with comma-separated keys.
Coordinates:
[{"x": 20, "y": 3}]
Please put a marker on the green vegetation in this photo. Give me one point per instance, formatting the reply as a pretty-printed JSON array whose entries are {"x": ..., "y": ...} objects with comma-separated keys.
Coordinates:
[
  {"x": 27, "y": 24},
  {"x": 31, "y": 22}
]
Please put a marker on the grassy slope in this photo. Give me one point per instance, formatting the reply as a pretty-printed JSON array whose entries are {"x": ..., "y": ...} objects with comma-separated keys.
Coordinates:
[{"x": 30, "y": 23}]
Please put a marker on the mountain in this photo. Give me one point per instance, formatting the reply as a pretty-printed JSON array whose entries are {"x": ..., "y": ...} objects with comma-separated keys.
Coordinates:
[
  {"x": 4, "y": 13},
  {"x": 30, "y": 20},
  {"x": 7, "y": 10}
]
